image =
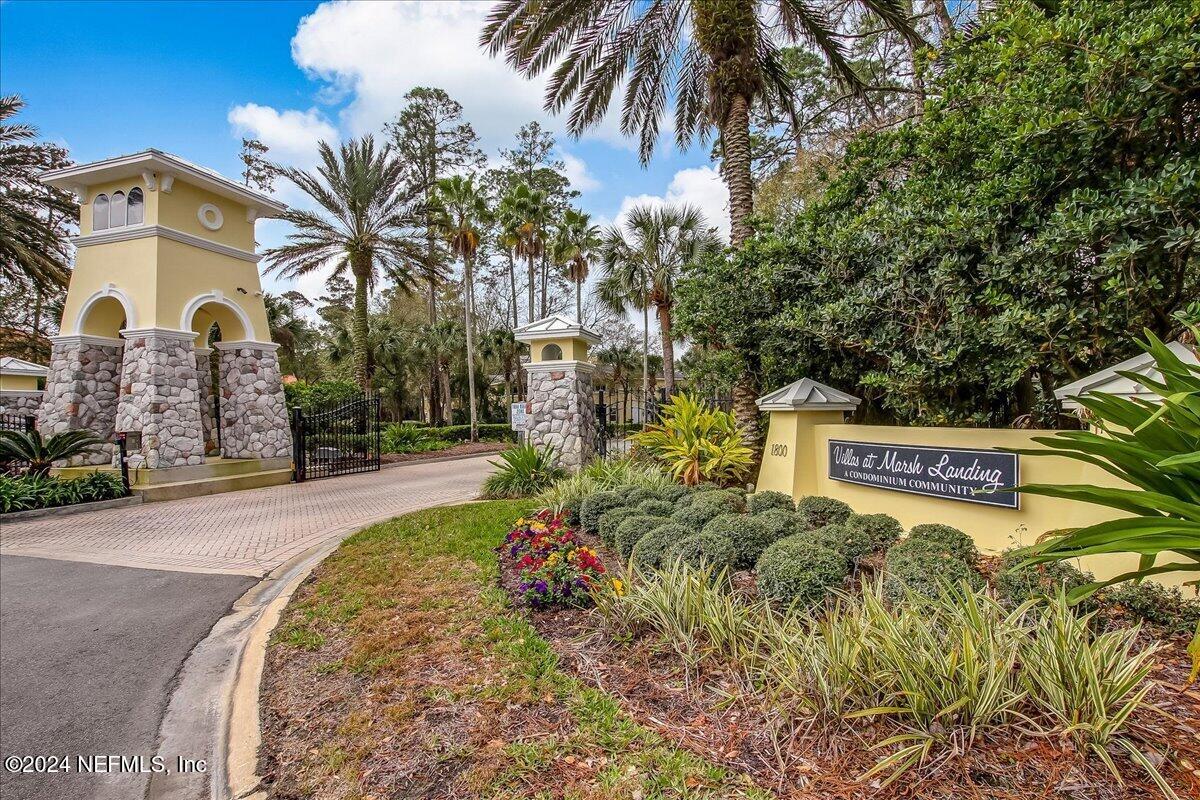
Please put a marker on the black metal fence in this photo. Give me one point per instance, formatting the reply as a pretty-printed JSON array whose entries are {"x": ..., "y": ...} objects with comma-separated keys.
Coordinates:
[
  {"x": 621, "y": 414},
  {"x": 16, "y": 422},
  {"x": 339, "y": 439}
]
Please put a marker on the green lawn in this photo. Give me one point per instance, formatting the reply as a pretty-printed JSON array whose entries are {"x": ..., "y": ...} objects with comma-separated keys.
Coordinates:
[{"x": 401, "y": 664}]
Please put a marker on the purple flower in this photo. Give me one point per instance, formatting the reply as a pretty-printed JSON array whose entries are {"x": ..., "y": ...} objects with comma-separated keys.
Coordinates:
[{"x": 540, "y": 586}]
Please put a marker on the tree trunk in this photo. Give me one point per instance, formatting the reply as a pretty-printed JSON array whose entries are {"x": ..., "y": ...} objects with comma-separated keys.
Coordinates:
[
  {"x": 532, "y": 287},
  {"x": 668, "y": 348},
  {"x": 578, "y": 300},
  {"x": 918, "y": 82},
  {"x": 447, "y": 404},
  {"x": 361, "y": 266},
  {"x": 735, "y": 141},
  {"x": 512, "y": 284},
  {"x": 545, "y": 306},
  {"x": 468, "y": 275},
  {"x": 645, "y": 350},
  {"x": 945, "y": 24},
  {"x": 433, "y": 367}
]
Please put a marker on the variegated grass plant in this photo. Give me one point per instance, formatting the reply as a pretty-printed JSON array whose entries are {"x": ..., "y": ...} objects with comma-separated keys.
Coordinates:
[{"x": 599, "y": 476}]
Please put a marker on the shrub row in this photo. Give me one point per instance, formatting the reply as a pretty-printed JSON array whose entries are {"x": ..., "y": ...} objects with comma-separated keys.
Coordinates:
[{"x": 28, "y": 492}]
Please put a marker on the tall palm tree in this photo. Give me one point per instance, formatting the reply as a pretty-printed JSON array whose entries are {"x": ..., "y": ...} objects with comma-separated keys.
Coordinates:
[
  {"x": 363, "y": 225},
  {"x": 709, "y": 59},
  {"x": 501, "y": 349},
  {"x": 577, "y": 239},
  {"x": 32, "y": 242},
  {"x": 462, "y": 213},
  {"x": 644, "y": 258},
  {"x": 442, "y": 342},
  {"x": 524, "y": 212}
]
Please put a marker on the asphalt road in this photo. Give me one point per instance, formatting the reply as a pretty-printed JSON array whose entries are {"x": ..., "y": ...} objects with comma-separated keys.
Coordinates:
[{"x": 88, "y": 657}]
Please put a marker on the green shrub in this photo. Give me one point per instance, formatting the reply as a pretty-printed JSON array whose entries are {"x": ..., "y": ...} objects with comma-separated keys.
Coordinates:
[
  {"x": 695, "y": 442},
  {"x": 702, "y": 549},
  {"x": 1017, "y": 581},
  {"x": 30, "y": 491},
  {"x": 781, "y": 522},
  {"x": 761, "y": 502},
  {"x": 593, "y": 506},
  {"x": 750, "y": 536},
  {"x": 816, "y": 511},
  {"x": 633, "y": 529},
  {"x": 698, "y": 514},
  {"x": 832, "y": 537},
  {"x": 321, "y": 394},
  {"x": 947, "y": 539},
  {"x": 1158, "y": 605},
  {"x": 522, "y": 471},
  {"x": 609, "y": 520},
  {"x": 926, "y": 569},
  {"x": 408, "y": 438},
  {"x": 672, "y": 493},
  {"x": 492, "y": 432},
  {"x": 639, "y": 495},
  {"x": 659, "y": 508},
  {"x": 859, "y": 536},
  {"x": 797, "y": 571},
  {"x": 651, "y": 549}
]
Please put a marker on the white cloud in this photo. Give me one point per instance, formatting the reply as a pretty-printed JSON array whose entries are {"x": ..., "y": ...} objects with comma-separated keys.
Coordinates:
[
  {"x": 576, "y": 171},
  {"x": 291, "y": 135},
  {"x": 376, "y": 52},
  {"x": 700, "y": 186}
]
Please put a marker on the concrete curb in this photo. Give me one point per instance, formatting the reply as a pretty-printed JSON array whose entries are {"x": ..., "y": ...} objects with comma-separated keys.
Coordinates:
[
  {"x": 436, "y": 459},
  {"x": 213, "y": 712},
  {"x": 76, "y": 508}
]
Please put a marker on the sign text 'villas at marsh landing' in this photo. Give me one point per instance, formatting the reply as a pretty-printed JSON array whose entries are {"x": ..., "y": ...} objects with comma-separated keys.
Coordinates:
[{"x": 949, "y": 472}]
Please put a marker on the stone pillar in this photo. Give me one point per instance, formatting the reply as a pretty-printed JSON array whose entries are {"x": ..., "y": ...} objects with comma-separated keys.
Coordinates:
[
  {"x": 160, "y": 398},
  {"x": 254, "y": 420},
  {"x": 24, "y": 403},
  {"x": 562, "y": 414},
  {"x": 208, "y": 418},
  {"x": 81, "y": 391}
]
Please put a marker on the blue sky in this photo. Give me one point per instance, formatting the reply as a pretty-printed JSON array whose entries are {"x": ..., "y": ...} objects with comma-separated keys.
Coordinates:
[{"x": 193, "y": 78}]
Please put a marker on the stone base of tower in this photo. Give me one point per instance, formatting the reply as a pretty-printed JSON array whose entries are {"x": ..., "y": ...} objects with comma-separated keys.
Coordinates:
[
  {"x": 81, "y": 391},
  {"x": 561, "y": 412},
  {"x": 254, "y": 419},
  {"x": 21, "y": 403},
  {"x": 160, "y": 399}
]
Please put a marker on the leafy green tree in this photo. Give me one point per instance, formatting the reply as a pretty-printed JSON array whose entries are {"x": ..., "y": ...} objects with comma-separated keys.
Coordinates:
[
  {"x": 362, "y": 227},
  {"x": 713, "y": 59},
  {"x": 574, "y": 244},
  {"x": 34, "y": 218},
  {"x": 961, "y": 267},
  {"x": 462, "y": 213},
  {"x": 640, "y": 262},
  {"x": 524, "y": 213}
]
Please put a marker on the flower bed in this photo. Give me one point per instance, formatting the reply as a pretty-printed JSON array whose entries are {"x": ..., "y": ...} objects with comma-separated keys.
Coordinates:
[{"x": 553, "y": 567}]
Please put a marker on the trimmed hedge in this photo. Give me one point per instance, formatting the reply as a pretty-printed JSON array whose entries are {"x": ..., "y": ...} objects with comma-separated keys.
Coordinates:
[
  {"x": 609, "y": 521},
  {"x": 926, "y": 569},
  {"x": 698, "y": 514},
  {"x": 947, "y": 539},
  {"x": 637, "y": 495},
  {"x": 659, "y": 508},
  {"x": 750, "y": 536},
  {"x": 703, "y": 548},
  {"x": 1017, "y": 582},
  {"x": 651, "y": 550},
  {"x": 761, "y": 502},
  {"x": 672, "y": 493},
  {"x": 491, "y": 432},
  {"x": 632, "y": 529},
  {"x": 782, "y": 523},
  {"x": 797, "y": 571},
  {"x": 593, "y": 506},
  {"x": 1158, "y": 605},
  {"x": 859, "y": 536},
  {"x": 817, "y": 511}
]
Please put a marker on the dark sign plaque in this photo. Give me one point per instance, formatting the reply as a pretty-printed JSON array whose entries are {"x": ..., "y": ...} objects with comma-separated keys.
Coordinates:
[{"x": 950, "y": 472}]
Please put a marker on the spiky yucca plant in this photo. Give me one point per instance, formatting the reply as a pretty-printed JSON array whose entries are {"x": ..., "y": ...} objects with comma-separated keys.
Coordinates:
[{"x": 29, "y": 446}]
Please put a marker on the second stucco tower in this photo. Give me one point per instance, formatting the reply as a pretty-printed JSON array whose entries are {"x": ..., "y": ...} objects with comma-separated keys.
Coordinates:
[{"x": 561, "y": 413}]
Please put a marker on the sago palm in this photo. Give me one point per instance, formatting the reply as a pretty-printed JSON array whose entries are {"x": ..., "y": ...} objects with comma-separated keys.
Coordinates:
[
  {"x": 709, "y": 60},
  {"x": 40, "y": 454},
  {"x": 363, "y": 225},
  {"x": 462, "y": 212},
  {"x": 576, "y": 241}
]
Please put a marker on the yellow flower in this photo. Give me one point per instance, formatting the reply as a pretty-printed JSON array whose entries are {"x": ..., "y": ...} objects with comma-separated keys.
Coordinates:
[
  {"x": 618, "y": 587},
  {"x": 538, "y": 526}
]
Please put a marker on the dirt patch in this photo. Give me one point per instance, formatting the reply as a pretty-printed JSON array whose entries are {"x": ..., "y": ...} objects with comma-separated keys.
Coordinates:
[
  {"x": 715, "y": 714},
  {"x": 463, "y": 449}
]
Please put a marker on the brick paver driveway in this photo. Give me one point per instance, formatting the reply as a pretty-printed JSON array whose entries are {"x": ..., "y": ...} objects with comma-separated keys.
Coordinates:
[{"x": 243, "y": 533}]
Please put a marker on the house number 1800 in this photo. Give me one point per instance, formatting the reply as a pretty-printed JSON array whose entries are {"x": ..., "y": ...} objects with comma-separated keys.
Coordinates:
[{"x": 779, "y": 449}]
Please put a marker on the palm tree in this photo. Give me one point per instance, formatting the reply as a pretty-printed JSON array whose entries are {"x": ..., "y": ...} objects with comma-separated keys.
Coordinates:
[
  {"x": 576, "y": 241},
  {"x": 643, "y": 259},
  {"x": 442, "y": 341},
  {"x": 523, "y": 212},
  {"x": 40, "y": 454},
  {"x": 500, "y": 347},
  {"x": 712, "y": 59},
  {"x": 363, "y": 226},
  {"x": 31, "y": 214},
  {"x": 462, "y": 213}
]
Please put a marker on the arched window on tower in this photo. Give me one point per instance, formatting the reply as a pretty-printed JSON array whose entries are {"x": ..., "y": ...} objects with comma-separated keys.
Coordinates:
[
  {"x": 551, "y": 352},
  {"x": 116, "y": 210},
  {"x": 135, "y": 211},
  {"x": 100, "y": 212}
]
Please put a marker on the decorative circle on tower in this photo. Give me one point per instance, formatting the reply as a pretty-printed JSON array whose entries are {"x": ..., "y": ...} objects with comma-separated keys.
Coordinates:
[{"x": 210, "y": 217}]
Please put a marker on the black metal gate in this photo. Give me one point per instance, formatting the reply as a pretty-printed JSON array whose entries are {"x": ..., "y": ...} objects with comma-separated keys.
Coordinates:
[
  {"x": 626, "y": 414},
  {"x": 338, "y": 439}
]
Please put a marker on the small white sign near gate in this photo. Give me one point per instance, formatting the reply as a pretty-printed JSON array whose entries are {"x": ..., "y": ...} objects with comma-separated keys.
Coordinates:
[{"x": 518, "y": 413}]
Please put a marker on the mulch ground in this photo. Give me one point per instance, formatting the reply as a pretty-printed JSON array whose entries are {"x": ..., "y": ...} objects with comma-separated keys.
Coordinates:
[
  {"x": 463, "y": 449},
  {"x": 712, "y": 713}
]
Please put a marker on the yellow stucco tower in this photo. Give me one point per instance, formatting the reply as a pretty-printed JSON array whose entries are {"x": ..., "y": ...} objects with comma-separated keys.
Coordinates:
[{"x": 165, "y": 252}]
